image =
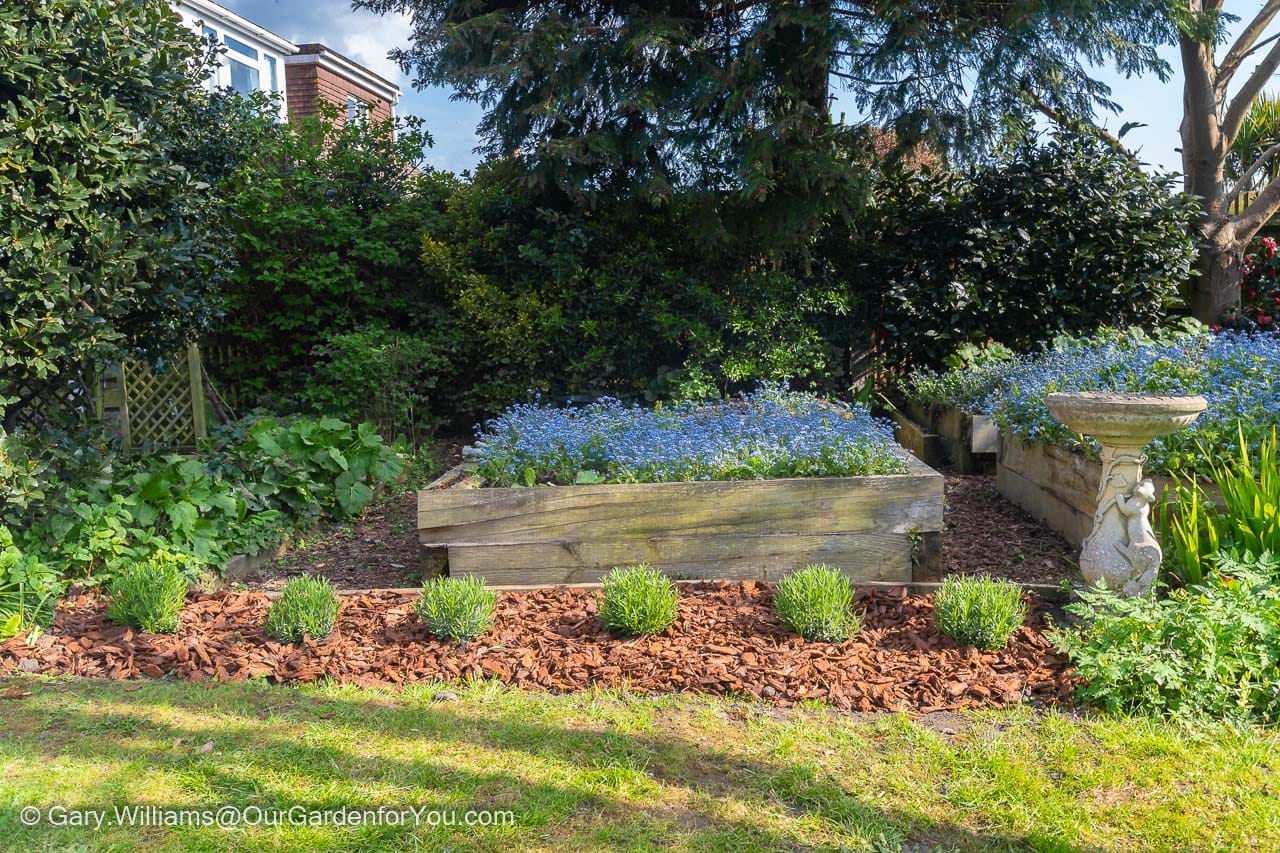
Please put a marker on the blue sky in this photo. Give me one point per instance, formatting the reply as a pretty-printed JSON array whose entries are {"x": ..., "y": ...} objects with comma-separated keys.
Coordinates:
[{"x": 366, "y": 38}]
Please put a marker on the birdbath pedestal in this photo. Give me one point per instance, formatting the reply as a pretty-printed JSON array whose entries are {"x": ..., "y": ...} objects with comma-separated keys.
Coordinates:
[{"x": 1122, "y": 550}]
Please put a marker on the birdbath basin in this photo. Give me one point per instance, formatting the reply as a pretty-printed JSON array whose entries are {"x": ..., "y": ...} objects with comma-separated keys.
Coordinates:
[{"x": 1122, "y": 551}]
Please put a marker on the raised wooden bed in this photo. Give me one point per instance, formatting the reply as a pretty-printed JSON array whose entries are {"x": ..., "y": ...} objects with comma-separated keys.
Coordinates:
[
  {"x": 885, "y": 528},
  {"x": 1058, "y": 486},
  {"x": 940, "y": 435}
]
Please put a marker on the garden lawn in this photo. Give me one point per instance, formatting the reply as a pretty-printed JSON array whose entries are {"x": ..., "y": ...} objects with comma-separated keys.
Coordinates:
[{"x": 604, "y": 771}]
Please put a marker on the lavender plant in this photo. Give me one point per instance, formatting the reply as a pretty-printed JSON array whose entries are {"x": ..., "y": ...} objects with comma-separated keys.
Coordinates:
[
  {"x": 637, "y": 600},
  {"x": 771, "y": 432},
  {"x": 978, "y": 611},
  {"x": 817, "y": 603}
]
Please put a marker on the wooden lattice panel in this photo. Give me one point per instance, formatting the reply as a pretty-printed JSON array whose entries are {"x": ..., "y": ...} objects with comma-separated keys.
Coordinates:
[
  {"x": 162, "y": 408},
  {"x": 46, "y": 406},
  {"x": 224, "y": 362}
]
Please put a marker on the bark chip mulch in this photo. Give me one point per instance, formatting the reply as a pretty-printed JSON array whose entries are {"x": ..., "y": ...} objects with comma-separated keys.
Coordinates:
[
  {"x": 985, "y": 534},
  {"x": 726, "y": 641}
]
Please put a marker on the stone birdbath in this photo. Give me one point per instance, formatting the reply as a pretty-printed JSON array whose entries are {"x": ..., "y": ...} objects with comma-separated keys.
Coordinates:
[{"x": 1122, "y": 551}]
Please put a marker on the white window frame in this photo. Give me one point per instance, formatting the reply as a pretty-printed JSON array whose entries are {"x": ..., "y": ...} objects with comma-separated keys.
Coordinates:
[
  {"x": 358, "y": 110},
  {"x": 269, "y": 63}
]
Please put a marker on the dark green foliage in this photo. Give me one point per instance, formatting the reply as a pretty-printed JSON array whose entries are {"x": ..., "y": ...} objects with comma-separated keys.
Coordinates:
[
  {"x": 637, "y": 600},
  {"x": 456, "y": 608},
  {"x": 255, "y": 483},
  {"x": 23, "y": 479},
  {"x": 307, "y": 608},
  {"x": 149, "y": 594},
  {"x": 372, "y": 373},
  {"x": 328, "y": 218},
  {"x": 305, "y": 467},
  {"x": 112, "y": 234},
  {"x": 978, "y": 611},
  {"x": 1209, "y": 649},
  {"x": 620, "y": 300},
  {"x": 510, "y": 290},
  {"x": 1058, "y": 238},
  {"x": 817, "y": 603},
  {"x": 713, "y": 98}
]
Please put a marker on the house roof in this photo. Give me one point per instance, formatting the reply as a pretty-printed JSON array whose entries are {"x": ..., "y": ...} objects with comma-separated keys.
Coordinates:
[
  {"x": 213, "y": 13},
  {"x": 329, "y": 58}
]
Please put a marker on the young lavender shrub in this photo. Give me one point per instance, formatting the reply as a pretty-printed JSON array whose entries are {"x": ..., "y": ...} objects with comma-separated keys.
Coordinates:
[
  {"x": 816, "y": 602},
  {"x": 308, "y": 607},
  {"x": 638, "y": 600},
  {"x": 769, "y": 433},
  {"x": 456, "y": 608},
  {"x": 149, "y": 595},
  {"x": 978, "y": 611}
]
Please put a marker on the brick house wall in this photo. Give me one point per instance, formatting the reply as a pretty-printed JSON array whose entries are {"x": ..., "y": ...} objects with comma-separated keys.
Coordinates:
[{"x": 318, "y": 74}]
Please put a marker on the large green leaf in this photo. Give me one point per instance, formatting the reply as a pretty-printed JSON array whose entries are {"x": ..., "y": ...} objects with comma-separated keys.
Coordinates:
[{"x": 351, "y": 494}]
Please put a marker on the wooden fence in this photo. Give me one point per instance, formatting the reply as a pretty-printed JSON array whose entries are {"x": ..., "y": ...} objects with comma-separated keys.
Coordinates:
[{"x": 151, "y": 407}]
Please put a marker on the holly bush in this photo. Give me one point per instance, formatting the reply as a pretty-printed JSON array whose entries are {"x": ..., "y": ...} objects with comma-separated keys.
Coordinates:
[{"x": 112, "y": 229}]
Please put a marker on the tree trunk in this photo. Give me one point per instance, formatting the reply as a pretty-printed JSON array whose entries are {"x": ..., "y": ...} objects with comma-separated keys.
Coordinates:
[
  {"x": 1217, "y": 285},
  {"x": 1204, "y": 152}
]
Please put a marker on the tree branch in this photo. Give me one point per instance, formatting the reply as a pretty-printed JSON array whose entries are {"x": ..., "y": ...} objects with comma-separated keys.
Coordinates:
[
  {"x": 1079, "y": 125},
  {"x": 1245, "y": 45},
  {"x": 914, "y": 78},
  {"x": 1260, "y": 210},
  {"x": 1240, "y": 104},
  {"x": 1248, "y": 174}
]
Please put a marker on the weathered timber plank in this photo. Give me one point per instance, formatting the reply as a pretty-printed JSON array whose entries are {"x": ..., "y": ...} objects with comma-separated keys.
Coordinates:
[
  {"x": 955, "y": 428},
  {"x": 922, "y": 415},
  {"x": 1070, "y": 523},
  {"x": 459, "y": 476},
  {"x": 924, "y": 445},
  {"x": 926, "y": 557},
  {"x": 1071, "y": 477},
  {"x": 862, "y": 556},
  {"x": 899, "y": 504},
  {"x": 985, "y": 438},
  {"x": 1060, "y": 487}
]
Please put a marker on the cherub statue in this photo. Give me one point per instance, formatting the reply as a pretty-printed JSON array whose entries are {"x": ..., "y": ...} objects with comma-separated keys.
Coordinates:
[{"x": 1143, "y": 549}]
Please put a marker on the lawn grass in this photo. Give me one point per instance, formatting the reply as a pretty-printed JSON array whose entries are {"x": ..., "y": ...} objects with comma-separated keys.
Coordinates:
[{"x": 607, "y": 771}]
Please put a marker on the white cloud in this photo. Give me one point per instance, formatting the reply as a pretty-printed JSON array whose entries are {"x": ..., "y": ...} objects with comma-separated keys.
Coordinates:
[{"x": 373, "y": 39}]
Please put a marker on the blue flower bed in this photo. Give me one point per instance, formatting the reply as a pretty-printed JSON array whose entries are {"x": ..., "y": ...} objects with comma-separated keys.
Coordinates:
[
  {"x": 1238, "y": 374},
  {"x": 770, "y": 433}
]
